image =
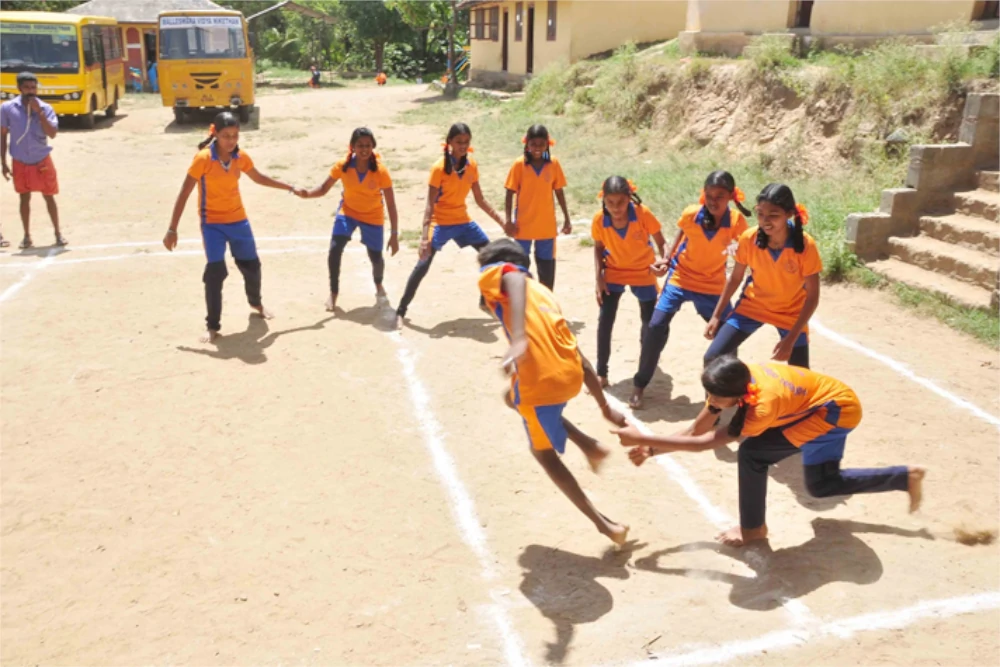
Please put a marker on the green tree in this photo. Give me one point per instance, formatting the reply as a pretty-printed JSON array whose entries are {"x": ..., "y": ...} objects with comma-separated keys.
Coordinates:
[{"x": 378, "y": 24}]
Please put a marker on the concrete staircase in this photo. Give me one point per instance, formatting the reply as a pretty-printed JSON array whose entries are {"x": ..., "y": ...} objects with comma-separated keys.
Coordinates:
[
  {"x": 957, "y": 253},
  {"x": 941, "y": 233}
]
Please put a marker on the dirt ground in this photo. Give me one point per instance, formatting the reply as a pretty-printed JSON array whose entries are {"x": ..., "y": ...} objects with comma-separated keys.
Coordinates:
[{"x": 314, "y": 490}]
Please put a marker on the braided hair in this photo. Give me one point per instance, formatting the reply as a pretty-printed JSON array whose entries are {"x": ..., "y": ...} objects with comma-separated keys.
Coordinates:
[
  {"x": 728, "y": 377},
  {"x": 222, "y": 120},
  {"x": 355, "y": 136},
  {"x": 618, "y": 185},
  {"x": 780, "y": 195},
  {"x": 456, "y": 130},
  {"x": 537, "y": 132}
]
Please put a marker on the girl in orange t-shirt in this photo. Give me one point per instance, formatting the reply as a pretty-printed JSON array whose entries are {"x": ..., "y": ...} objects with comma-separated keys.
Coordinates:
[
  {"x": 781, "y": 411},
  {"x": 783, "y": 289},
  {"x": 367, "y": 196},
  {"x": 623, "y": 256}
]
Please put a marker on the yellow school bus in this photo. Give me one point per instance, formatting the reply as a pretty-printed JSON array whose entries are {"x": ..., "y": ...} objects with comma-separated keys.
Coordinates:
[
  {"x": 78, "y": 60},
  {"x": 205, "y": 62}
]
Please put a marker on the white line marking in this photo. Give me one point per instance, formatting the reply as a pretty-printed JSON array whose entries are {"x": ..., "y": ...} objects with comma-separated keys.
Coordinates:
[
  {"x": 842, "y": 629},
  {"x": 26, "y": 278},
  {"x": 901, "y": 369},
  {"x": 462, "y": 506},
  {"x": 175, "y": 253}
]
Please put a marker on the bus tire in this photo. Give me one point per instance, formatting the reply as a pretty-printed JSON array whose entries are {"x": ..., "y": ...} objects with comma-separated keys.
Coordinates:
[
  {"x": 244, "y": 113},
  {"x": 113, "y": 109},
  {"x": 180, "y": 115}
]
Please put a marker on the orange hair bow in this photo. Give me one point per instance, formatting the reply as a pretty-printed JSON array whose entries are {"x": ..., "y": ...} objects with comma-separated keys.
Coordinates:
[
  {"x": 211, "y": 130},
  {"x": 803, "y": 214},
  {"x": 552, "y": 142},
  {"x": 752, "y": 395},
  {"x": 737, "y": 196}
]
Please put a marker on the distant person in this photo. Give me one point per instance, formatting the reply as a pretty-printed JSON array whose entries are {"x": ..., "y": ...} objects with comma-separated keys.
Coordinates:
[
  {"x": 30, "y": 123},
  {"x": 154, "y": 78},
  {"x": 381, "y": 78},
  {"x": 314, "y": 74}
]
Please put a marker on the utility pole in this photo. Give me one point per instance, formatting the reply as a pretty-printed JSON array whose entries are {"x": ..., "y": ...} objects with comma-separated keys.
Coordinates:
[{"x": 451, "y": 86}]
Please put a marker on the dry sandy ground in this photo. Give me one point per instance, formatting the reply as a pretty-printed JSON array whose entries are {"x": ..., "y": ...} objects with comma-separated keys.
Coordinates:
[{"x": 306, "y": 491}]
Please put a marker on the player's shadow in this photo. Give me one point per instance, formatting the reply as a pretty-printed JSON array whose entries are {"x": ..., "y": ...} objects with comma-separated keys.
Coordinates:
[
  {"x": 658, "y": 402},
  {"x": 565, "y": 589},
  {"x": 380, "y": 316},
  {"x": 37, "y": 250},
  {"x": 788, "y": 472},
  {"x": 248, "y": 346},
  {"x": 481, "y": 329},
  {"x": 834, "y": 554}
]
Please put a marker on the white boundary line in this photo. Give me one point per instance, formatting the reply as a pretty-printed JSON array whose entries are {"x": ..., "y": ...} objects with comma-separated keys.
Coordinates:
[
  {"x": 901, "y": 369},
  {"x": 462, "y": 506},
  {"x": 839, "y": 629},
  {"x": 26, "y": 278}
]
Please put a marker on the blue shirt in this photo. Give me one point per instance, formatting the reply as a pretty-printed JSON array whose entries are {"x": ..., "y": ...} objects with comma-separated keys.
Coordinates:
[{"x": 27, "y": 141}]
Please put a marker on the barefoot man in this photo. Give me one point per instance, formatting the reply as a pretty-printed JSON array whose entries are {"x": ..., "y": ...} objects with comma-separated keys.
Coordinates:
[
  {"x": 26, "y": 125},
  {"x": 781, "y": 411}
]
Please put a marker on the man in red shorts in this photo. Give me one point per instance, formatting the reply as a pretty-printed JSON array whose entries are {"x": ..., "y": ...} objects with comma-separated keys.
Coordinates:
[{"x": 26, "y": 125}]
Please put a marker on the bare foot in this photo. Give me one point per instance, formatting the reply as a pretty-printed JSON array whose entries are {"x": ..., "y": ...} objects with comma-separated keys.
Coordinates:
[
  {"x": 617, "y": 533},
  {"x": 915, "y": 487},
  {"x": 737, "y": 537},
  {"x": 61, "y": 240},
  {"x": 604, "y": 382},
  {"x": 635, "y": 400},
  {"x": 264, "y": 312},
  {"x": 209, "y": 336},
  {"x": 596, "y": 460},
  {"x": 331, "y": 303},
  {"x": 399, "y": 322}
]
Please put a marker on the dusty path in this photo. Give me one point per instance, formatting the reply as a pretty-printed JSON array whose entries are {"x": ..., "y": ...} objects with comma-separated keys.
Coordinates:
[{"x": 282, "y": 498}]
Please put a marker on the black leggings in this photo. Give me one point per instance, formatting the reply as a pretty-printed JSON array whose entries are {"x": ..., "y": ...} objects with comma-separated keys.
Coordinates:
[
  {"x": 606, "y": 322},
  {"x": 758, "y": 453},
  {"x": 215, "y": 274},
  {"x": 652, "y": 347},
  {"x": 729, "y": 338},
  {"x": 337, "y": 246},
  {"x": 418, "y": 274},
  {"x": 546, "y": 271}
]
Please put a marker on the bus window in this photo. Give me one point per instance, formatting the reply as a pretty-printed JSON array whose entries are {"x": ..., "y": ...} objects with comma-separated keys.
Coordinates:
[{"x": 39, "y": 47}]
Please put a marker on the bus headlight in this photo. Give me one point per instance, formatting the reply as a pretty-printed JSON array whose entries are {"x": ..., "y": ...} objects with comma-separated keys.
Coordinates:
[
  {"x": 76, "y": 96},
  {"x": 67, "y": 96}
]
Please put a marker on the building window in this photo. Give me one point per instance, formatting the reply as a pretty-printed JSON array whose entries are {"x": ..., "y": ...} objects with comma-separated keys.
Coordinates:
[
  {"x": 494, "y": 24},
  {"x": 478, "y": 17},
  {"x": 550, "y": 24},
  {"x": 518, "y": 21}
]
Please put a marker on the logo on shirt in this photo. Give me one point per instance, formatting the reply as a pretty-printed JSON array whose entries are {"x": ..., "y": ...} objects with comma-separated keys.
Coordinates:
[{"x": 791, "y": 266}]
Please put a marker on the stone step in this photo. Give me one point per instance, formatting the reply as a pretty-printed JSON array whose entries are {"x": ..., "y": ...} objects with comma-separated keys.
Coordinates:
[
  {"x": 966, "y": 231},
  {"x": 988, "y": 180},
  {"x": 958, "y": 292},
  {"x": 981, "y": 203},
  {"x": 949, "y": 260}
]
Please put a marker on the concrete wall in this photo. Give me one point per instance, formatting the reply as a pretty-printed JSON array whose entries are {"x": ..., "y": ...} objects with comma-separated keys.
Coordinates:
[
  {"x": 739, "y": 15},
  {"x": 885, "y": 17},
  {"x": 604, "y": 25}
]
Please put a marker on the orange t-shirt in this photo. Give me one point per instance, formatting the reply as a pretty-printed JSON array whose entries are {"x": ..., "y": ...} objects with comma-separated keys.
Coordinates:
[
  {"x": 536, "y": 209},
  {"x": 790, "y": 395},
  {"x": 628, "y": 252},
  {"x": 362, "y": 199},
  {"x": 699, "y": 265},
  {"x": 453, "y": 189},
  {"x": 551, "y": 371},
  {"x": 219, "y": 201},
  {"x": 775, "y": 291}
]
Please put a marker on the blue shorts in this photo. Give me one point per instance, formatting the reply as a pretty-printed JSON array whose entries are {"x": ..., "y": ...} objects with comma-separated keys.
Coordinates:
[
  {"x": 673, "y": 297},
  {"x": 642, "y": 292},
  {"x": 465, "y": 234},
  {"x": 238, "y": 235},
  {"x": 544, "y": 248},
  {"x": 748, "y": 326},
  {"x": 544, "y": 426},
  {"x": 371, "y": 235}
]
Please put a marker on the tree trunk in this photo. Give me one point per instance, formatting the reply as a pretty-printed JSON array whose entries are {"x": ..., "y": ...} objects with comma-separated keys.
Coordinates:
[
  {"x": 451, "y": 87},
  {"x": 379, "y": 54}
]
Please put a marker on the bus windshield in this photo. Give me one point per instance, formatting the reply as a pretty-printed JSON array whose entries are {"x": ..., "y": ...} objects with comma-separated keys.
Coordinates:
[
  {"x": 39, "y": 47},
  {"x": 201, "y": 37}
]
